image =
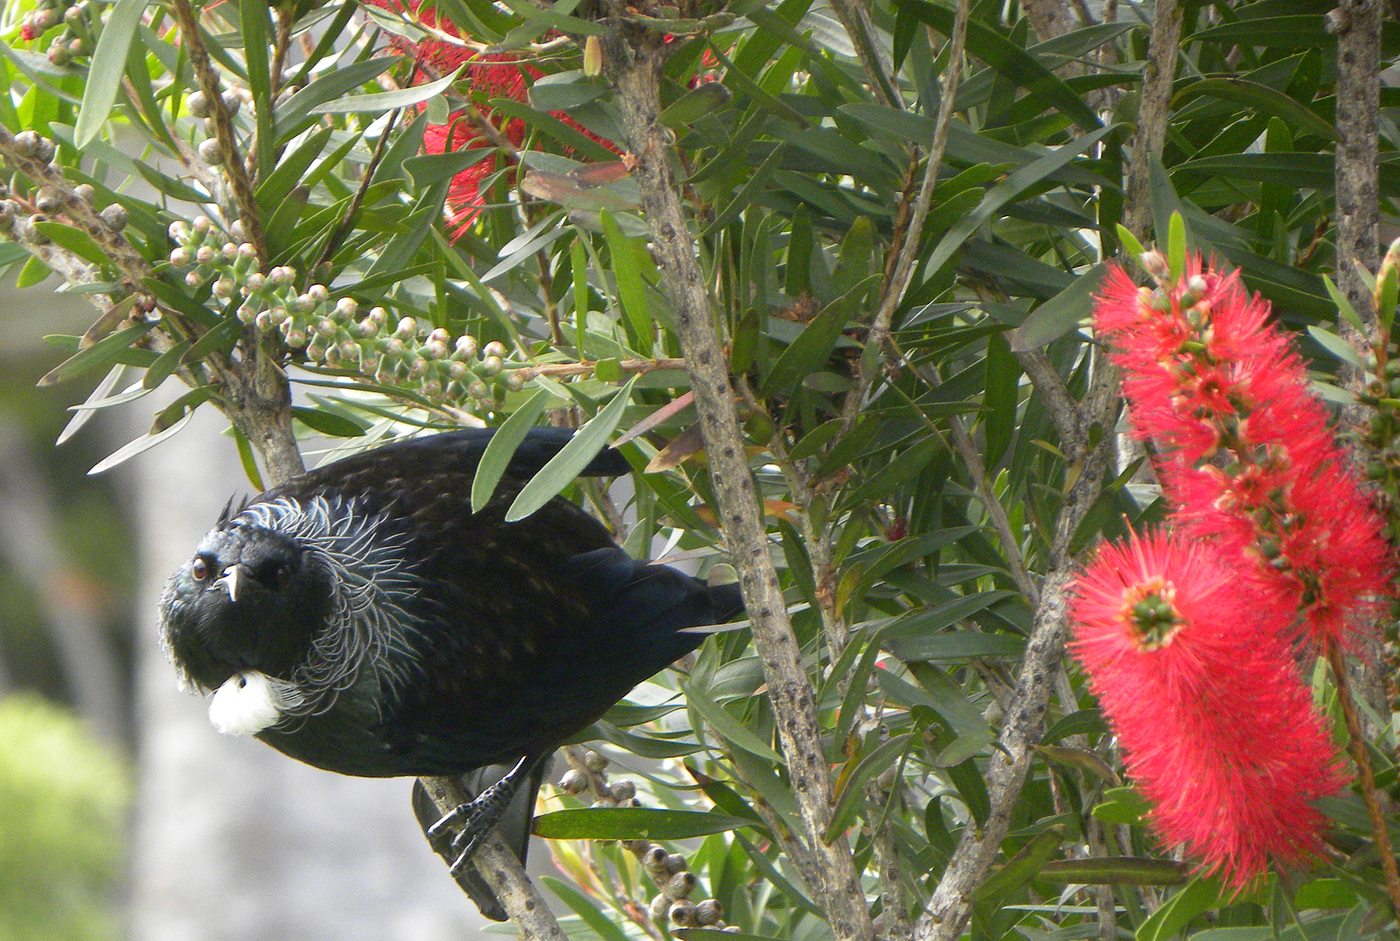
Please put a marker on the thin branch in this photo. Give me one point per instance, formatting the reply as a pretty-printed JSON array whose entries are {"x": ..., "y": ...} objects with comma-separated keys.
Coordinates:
[
  {"x": 892, "y": 292},
  {"x": 1357, "y": 743},
  {"x": 223, "y": 129},
  {"x": 502, "y": 871},
  {"x": 633, "y": 59},
  {"x": 1152, "y": 115},
  {"x": 879, "y": 70}
]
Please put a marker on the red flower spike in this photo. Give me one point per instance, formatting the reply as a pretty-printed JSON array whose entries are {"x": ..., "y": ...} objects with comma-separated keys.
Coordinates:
[
  {"x": 1218, "y": 730},
  {"x": 1245, "y": 450}
]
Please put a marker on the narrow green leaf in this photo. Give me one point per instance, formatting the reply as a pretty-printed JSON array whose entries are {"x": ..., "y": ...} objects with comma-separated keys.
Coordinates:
[
  {"x": 1130, "y": 242},
  {"x": 378, "y": 102},
  {"x": 1006, "y": 191},
  {"x": 1117, "y": 870},
  {"x": 1063, "y": 312},
  {"x": 98, "y": 399},
  {"x": 1338, "y": 347},
  {"x": 161, "y": 369},
  {"x": 100, "y": 352},
  {"x": 220, "y": 337},
  {"x": 565, "y": 466},
  {"x": 584, "y": 907},
  {"x": 728, "y": 727},
  {"x": 132, "y": 448},
  {"x": 496, "y": 458},
  {"x": 328, "y": 423},
  {"x": 1176, "y": 247},
  {"x": 329, "y": 87},
  {"x": 32, "y": 272},
  {"x": 74, "y": 240},
  {"x": 633, "y": 823},
  {"x": 809, "y": 352},
  {"x": 714, "y": 934},
  {"x": 631, "y": 292},
  {"x": 105, "y": 73},
  {"x": 853, "y": 788},
  {"x": 1000, "y": 399},
  {"x": 1178, "y": 911},
  {"x": 246, "y": 457},
  {"x": 1020, "y": 868}
]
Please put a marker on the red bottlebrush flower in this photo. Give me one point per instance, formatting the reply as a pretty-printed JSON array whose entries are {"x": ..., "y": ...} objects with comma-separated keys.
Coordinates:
[
  {"x": 1245, "y": 451},
  {"x": 1217, "y": 728},
  {"x": 464, "y": 197},
  {"x": 495, "y": 75}
]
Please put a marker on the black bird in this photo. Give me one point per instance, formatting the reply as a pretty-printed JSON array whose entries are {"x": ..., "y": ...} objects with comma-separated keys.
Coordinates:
[{"x": 363, "y": 619}]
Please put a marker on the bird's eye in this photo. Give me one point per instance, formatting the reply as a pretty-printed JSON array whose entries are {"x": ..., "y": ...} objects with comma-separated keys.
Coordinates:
[{"x": 199, "y": 569}]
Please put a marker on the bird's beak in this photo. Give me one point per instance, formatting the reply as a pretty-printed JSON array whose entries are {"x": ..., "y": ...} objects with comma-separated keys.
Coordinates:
[{"x": 230, "y": 580}]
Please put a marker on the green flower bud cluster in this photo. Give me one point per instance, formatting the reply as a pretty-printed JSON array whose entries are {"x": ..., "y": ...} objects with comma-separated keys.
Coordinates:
[
  {"x": 334, "y": 332},
  {"x": 77, "y": 28}
]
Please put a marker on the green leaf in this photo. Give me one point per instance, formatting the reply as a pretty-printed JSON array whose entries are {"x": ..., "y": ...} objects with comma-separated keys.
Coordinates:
[
  {"x": 1117, "y": 870},
  {"x": 565, "y": 466},
  {"x": 1259, "y": 99},
  {"x": 1338, "y": 347},
  {"x": 32, "y": 272},
  {"x": 104, "y": 78},
  {"x": 1000, "y": 399},
  {"x": 335, "y": 84},
  {"x": 584, "y": 907},
  {"x": 631, "y": 292},
  {"x": 99, "y": 353},
  {"x": 501, "y": 448},
  {"x": 810, "y": 351},
  {"x": 74, "y": 240},
  {"x": 1177, "y": 912},
  {"x": 1130, "y": 243},
  {"x": 1063, "y": 312},
  {"x": 329, "y": 423},
  {"x": 1176, "y": 248},
  {"x": 633, "y": 823},
  {"x": 132, "y": 448},
  {"x": 1007, "y": 190},
  {"x": 378, "y": 102},
  {"x": 1122, "y": 805},
  {"x": 729, "y": 728},
  {"x": 852, "y": 791},
  {"x": 1019, "y": 869}
]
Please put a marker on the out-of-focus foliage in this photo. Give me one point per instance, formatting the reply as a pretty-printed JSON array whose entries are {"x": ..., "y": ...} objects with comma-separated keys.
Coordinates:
[
  {"x": 798, "y": 176},
  {"x": 63, "y": 803}
]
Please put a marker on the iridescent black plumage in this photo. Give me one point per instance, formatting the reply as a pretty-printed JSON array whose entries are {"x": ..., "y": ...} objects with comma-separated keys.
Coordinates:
[{"x": 363, "y": 619}]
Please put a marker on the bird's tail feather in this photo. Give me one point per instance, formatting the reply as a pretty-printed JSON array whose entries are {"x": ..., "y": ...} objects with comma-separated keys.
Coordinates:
[{"x": 514, "y": 827}]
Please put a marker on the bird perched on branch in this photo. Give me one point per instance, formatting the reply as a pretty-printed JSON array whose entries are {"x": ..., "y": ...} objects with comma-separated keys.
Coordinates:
[{"x": 363, "y": 619}]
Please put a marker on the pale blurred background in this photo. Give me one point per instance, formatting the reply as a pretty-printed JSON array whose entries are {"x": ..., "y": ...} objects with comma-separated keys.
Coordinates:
[{"x": 124, "y": 815}]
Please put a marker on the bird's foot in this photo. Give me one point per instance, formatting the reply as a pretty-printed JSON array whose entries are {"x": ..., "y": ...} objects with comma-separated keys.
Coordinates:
[{"x": 475, "y": 819}]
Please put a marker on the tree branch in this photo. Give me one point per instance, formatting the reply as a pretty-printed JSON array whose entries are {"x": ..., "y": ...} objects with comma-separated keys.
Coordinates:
[{"x": 632, "y": 60}]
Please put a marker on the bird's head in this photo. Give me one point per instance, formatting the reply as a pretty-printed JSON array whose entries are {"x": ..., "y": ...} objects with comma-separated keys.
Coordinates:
[{"x": 249, "y": 599}]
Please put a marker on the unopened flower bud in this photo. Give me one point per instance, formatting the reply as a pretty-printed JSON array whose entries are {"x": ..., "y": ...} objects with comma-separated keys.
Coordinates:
[
  {"x": 317, "y": 293},
  {"x": 407, "y": 329},
  {"x": 682, "y": 914},
  {"x": 1154, "y": 263},
  {"x": 346, "y": 308},
  {"x": 180, "y": 257},
  {"x": 115, "y": 215},
  {"x": 491, "y": 366},
  {"x": 194, "y": 279},
  {"x": 263, "y": 321},
  {"x": 202, "y": 225},
  {"x": 494, "y": 348},
  {"x": 223, "y": 288},
  {"x": 573, "y": 782},
  {"x": 204, "y": 254},
  {"x": 682, "y": 884},
  {"x": 466, "y": 345},
  {"x": 708, "y": 912}
]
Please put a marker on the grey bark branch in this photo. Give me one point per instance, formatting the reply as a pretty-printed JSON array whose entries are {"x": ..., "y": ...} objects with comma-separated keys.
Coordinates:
[
  {"x": 1153, "y": 108},
  {"x": 632, "y": 60}
]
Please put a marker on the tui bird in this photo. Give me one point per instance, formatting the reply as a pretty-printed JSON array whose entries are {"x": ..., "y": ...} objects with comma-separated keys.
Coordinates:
[{"x": 361, "y": 618}]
